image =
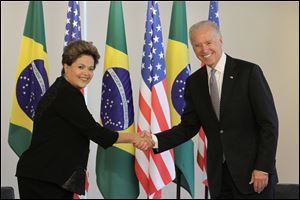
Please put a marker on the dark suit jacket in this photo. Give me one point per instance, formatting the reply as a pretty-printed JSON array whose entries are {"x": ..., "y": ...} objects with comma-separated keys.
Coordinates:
[
  {"x": 247, "y": 131},
  {"x": 62, "y": 130}
]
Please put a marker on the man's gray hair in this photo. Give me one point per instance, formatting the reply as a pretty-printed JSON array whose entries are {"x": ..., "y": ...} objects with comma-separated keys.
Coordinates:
[{"x": 200, "y": 24}]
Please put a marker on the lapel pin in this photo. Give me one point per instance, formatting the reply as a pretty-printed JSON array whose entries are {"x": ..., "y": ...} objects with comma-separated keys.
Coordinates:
[{"x": 231, "y": 77}]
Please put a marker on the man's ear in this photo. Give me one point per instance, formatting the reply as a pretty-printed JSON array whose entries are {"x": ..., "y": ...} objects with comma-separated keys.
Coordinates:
[{"x": 221, "y": 40}]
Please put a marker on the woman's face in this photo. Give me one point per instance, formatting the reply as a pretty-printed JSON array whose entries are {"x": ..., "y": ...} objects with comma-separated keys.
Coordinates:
[{"x": 81, "y": 72}]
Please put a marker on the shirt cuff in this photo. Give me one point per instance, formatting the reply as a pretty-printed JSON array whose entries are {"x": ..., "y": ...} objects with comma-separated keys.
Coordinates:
[
  {"x": 266, "y": 173},
  {"x": 154, "y": 138}
]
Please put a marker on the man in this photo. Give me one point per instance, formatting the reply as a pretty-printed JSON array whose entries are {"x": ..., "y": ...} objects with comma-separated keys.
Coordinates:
[{"x": 241, "y": 127}]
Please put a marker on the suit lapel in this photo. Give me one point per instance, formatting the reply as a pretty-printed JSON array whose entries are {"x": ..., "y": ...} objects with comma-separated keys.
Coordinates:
[
  {"x": 204, "y": 82},
  {"x": 230, "y": 75}
]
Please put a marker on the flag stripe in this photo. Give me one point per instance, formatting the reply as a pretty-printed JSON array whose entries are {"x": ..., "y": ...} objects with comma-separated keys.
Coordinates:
[
  {"x": 116, "y": 28},
  {"x": 152, "y": 185},
  {"x": 158, "y": 109},
  {"x": 179, "y": 32},
  {"x": 161, "y": 162},
  {"x": 144, "y": 124},
  {"x": 34, "y": 27},
  {"x": 145, "y": 112},
  {"x": 141, "y": 171},
  {"x": 156, "y": 181}
]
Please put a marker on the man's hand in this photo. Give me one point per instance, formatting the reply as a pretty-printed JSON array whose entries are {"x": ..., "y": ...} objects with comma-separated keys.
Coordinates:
[
  {"x": 143, "y": 140},
  {"x": 259, "y": 179}
]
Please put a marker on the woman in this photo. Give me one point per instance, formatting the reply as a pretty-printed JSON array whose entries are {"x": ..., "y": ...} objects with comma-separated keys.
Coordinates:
[{"x": 55, "y": 163}]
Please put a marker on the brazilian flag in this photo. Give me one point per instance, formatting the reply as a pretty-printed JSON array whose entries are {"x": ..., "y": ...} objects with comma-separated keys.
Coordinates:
[
  {"x": 31, "y": 80},
  {"x": 178, "y": 69},
  {"x": 116, "y": 177}
]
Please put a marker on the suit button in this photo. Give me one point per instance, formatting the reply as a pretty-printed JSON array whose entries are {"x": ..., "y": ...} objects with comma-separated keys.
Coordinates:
[{"x": 221, "y": 131}]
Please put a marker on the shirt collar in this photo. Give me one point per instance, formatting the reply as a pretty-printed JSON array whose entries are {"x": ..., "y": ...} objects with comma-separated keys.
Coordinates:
[{"x": 220, "y": 65}]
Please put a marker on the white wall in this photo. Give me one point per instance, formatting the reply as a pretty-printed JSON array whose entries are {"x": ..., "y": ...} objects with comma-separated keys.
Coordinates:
[{"x": 266, "y": 33}]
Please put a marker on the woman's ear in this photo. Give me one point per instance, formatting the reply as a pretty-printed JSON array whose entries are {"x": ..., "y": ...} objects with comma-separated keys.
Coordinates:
[{"x": 65, "y": 68}]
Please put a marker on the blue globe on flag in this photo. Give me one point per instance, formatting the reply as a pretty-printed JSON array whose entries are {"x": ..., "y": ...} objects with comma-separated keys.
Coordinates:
[
  {"x": 177, "y": 93},
  {"x": 116, "y": 103},
  {"x": 31, "y": 86}
]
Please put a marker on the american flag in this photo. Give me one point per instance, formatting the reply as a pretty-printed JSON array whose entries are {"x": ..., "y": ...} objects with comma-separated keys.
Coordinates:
[
  {"x": 73, "y": 26},
  {"x": 73, "y": 32},
  {"x": 154, "y": 171},
  {"x": 201, "y": 154},
  {"x": 214, "y": 12},
  {"x": 73, "y": 29}
]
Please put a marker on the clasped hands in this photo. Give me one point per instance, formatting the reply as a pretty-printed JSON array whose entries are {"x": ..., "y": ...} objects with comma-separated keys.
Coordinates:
[{"x": 143, "y": 140}]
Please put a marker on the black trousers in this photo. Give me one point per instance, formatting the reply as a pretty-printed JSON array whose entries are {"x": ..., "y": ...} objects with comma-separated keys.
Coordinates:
[
  {"x": 36, "y": 189},
  {"x": 230, "y": 191}
]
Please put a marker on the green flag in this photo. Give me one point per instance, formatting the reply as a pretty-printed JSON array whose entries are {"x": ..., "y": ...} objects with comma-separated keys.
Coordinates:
[
  {"x": 31, "y": 79},
  {"x": 116, "y": 177},
  {"x": 178, "y": 69}
]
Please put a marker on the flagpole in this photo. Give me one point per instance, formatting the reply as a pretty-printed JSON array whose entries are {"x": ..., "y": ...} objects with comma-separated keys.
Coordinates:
[
  {"x": 206, "y": 192},
  {"x": 178, "y": 178},
  {"x": 84, "y": 21},
  {"x": 85, "y": 38}
]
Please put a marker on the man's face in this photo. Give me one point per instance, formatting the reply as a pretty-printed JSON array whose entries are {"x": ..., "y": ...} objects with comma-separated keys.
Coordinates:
[{"x": 207, "y": 45}]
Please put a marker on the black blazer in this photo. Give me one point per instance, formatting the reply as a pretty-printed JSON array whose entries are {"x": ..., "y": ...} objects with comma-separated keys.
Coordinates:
[
  {"x": 247, "y": 131},
  {"x": 62, "y": 130}
]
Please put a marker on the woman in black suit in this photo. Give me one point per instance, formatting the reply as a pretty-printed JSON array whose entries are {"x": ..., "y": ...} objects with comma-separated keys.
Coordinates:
[
  {"x": 54, "y": 165},
  {"x": 230, "y": 98}
]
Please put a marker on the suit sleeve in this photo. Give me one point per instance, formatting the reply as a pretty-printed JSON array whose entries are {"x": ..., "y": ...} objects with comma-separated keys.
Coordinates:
[
  {"x": 71, "y": 107},
  {"x": 266, "y": 117},
  {"x": 188, "y": 127}
]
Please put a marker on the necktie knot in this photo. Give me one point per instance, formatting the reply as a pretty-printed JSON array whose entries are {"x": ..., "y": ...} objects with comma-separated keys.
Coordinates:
[{"x": 213, "y": 71}]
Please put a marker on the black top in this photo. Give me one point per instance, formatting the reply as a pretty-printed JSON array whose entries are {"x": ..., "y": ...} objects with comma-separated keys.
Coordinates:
[{"x": 62, "y": 130}]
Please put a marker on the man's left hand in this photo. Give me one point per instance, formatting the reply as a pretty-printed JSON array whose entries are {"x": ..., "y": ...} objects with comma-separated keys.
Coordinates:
[{"x": 259, "y": 179}]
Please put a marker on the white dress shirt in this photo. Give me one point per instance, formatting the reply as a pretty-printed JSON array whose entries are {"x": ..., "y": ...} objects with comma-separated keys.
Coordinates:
[{"x": 220, "y": 67}]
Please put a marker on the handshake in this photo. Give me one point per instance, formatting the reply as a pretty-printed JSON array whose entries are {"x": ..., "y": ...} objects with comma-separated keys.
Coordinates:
[{"x": 143, "y": 140}]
